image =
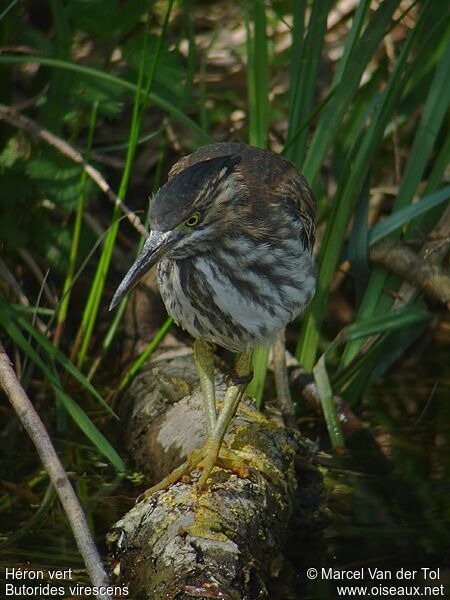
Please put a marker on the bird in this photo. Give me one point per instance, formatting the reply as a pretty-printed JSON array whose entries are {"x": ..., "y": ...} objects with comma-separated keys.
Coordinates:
[{"x": 232, "y": 233}]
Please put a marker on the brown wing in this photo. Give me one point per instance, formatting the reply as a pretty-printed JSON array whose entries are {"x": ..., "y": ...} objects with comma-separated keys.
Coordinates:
[{"x": 268, "y": 172}]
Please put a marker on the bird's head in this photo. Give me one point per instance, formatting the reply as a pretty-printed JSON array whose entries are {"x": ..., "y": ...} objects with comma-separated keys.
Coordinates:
[{"x": 188, "y": 215}]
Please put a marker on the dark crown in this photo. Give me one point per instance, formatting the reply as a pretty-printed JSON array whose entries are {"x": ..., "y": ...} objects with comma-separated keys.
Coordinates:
[{"x": 191, "y": 188}]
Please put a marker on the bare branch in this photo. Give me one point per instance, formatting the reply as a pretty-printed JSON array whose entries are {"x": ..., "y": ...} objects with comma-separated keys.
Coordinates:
[
  {"x": 38, "y": 434},
  {"x": 399, "y": 259},
  {"x": 20, "y": 121}
]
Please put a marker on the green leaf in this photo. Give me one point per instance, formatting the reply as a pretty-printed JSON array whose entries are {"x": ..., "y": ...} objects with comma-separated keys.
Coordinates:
[
  {"x": 151, "y": 347},
  {"x": 257, "y": 72},
  {"x": 89, "y": 429},
  {"x": 434, "y": 111},
  {"x": 350, "y": 184},
  {"x": 56, "y": 177},
  {"x": 367, "y": 366},
  {"x": 255, "y": 388},
  {"x": 375, "y": 300},
  {"x": 304, "y": 78},
  {"x": 141, "y": 99},
  {"x": 395, "y": 319},
  {"x": 402, "y": 216},
  {"x": 358, "y": 242},
  {"x": 57, "y": 355},
  {"x": 327, "y": 401},
  {"x": 169, "y": 74},
  {"x": 357, "y": 61},
  {"x": 79, "y": 416},
  {"x": 165, "y": 105}
]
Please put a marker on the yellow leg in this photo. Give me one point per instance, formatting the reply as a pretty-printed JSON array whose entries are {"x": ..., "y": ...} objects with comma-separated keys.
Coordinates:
[
  {"x": 204, "y": 360},
  {"x": 230, "y": 403},
  {"x": 215, "y": 440},
  {"x": 212, "y": 453}
]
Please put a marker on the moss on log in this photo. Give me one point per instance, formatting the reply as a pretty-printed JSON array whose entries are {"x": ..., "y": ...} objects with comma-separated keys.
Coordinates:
[{"x": 225, "y": 542}]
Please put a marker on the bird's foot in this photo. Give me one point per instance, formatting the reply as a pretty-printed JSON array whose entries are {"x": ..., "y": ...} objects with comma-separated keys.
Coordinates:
[
  {"x": 206, "y": 458},
  {"x": 215, "y": 455}
]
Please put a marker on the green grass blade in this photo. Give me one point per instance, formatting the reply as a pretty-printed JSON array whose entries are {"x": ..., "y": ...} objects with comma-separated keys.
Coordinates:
[
  {"x": 428, "y": 220},
  {"x": 296, "y": 53},
  {"x": 7, "y": 9},
  {"x": 258, "y": 115},
  {"x": 89, "y": 429},
  {"x": 352, "y": 38},
  {"x": 307, "y": 121},
  {"x": 257, "y": 73},
  {"x": 119, "y": 312},
  {"x": 399, "y": 218},
  {"x": 146, "y": 137},
  {"x": 79, "y": 416},
  {"x": 259, "y": 363},
  {"x": 350, "y": 77},
  {"x": 395, "y": 319},
  {"x": 350, "y": 186},
  {"x": 439, "y": 167},
  {"x": 65, "y": 299},
  {"x": 358, "y": 242},
  {"x": 34, "y": 310},
  {"x": 192, "y": 51},
  {"x": 430, "y": 124},
  {"x": 94, "y": 299},
  {"x": 366, "y": 367},
  {"x": 296, "y": 115},
  {"x": 434, "y": 112},
  {"x": 303, "y": 82},
  {"x": 147, "y": 352},
  {"x": 57, "y": 95},
  {"x": 154, "y": 98},
  {"x": 58, "y": 356},
  {"x": 328, "y": 406}
]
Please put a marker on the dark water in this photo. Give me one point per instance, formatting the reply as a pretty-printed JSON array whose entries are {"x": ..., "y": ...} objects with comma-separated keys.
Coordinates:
[{"x": 387, "y": 510}]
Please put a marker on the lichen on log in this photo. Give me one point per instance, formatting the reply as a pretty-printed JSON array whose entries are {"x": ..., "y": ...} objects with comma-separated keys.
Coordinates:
[{"x": 225, "y": 542}]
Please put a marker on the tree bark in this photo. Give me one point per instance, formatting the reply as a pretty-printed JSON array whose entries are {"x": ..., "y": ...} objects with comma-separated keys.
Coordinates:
[
  {"x": 429, "y": 277},
  {"x": 224, "y": 543}
]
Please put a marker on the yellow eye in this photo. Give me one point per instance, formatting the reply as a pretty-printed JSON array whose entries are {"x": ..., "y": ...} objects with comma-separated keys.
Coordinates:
[{"x": 193, "y": 220}]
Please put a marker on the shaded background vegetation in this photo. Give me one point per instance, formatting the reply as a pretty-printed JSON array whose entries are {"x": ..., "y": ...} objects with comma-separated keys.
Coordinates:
[{"x": 356, "y": 94}]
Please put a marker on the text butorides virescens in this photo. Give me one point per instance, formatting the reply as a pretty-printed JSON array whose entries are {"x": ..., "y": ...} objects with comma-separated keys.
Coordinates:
[{"x": 232, "y": 232}]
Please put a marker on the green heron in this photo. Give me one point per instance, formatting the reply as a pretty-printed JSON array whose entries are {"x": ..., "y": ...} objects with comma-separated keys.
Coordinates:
[{"x": 232, "y": 232}]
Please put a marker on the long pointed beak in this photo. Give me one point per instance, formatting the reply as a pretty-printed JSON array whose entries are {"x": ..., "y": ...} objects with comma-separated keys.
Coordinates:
[{"x": 156, "y": 245}]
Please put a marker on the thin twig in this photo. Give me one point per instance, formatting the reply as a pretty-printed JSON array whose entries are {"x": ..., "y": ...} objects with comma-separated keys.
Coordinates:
[
  {"x": 431, "y": 253},
  {"x": 20, "y": 121},
  {"x": 282, "y": 381},
  {"x": 38, "y": 434}
]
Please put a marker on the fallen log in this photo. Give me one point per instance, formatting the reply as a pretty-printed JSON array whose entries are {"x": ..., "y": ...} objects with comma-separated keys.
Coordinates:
[{"x": 225, "y": 542}]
